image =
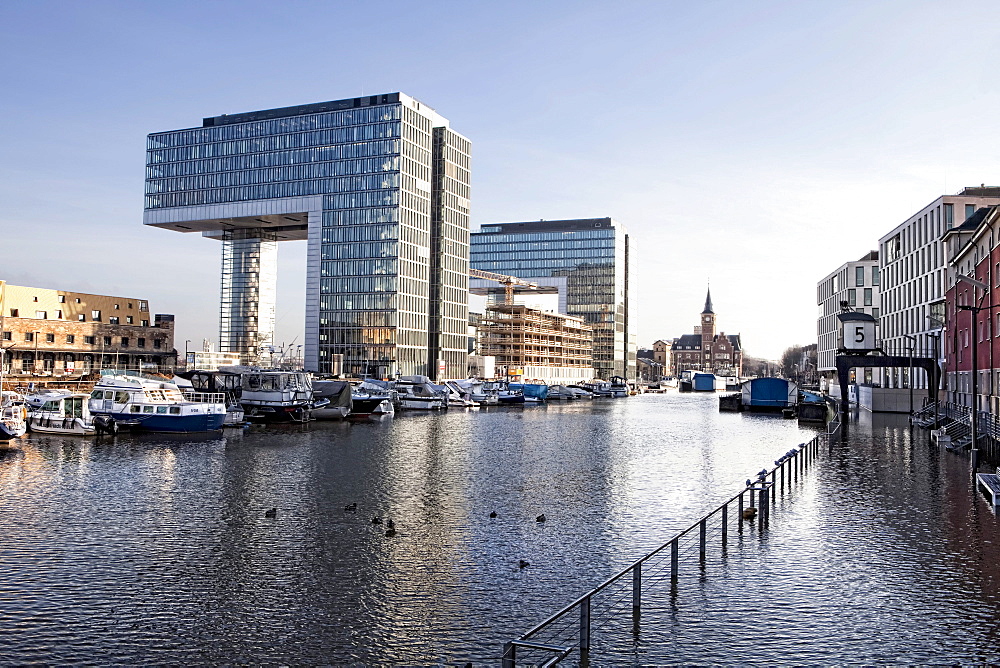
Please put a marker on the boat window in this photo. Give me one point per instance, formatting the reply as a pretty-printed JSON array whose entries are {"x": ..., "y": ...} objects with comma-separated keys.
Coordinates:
[
  {"x": 121, "y": 397},
  {"x": 51, "y": 405},
  {"x": 135, "y": 409},
  {"x": 161, "y": 409},
  {"x": 147, "y": 409},
  {"x": 175, "y": 410},
  {"x": 74, "y": 407},
  {"x": 97, "y": 394}
]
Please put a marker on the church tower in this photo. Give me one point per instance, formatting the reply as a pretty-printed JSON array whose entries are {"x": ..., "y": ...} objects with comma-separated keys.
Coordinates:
[{"x": 707, "y": 332}]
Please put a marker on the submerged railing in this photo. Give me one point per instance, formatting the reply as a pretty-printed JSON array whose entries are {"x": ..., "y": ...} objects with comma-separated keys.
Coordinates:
[{"x": 574, "y": 626}]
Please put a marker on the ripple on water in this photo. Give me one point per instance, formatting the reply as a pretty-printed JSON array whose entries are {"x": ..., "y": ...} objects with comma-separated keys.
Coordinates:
[{"x": 156, "y": 550}]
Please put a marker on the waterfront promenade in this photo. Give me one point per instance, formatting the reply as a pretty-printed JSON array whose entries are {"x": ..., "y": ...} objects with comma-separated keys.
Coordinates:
[{"x": 156, "y": 550}]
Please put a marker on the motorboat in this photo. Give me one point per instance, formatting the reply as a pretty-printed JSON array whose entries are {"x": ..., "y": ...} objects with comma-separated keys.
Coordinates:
[
  {"x": 459, "y": 396},
  {"x": 372, "y": 397},
  {"x": 13, "y": 414},
  {"x": 619, "y": 387},
  {"x": 229, "y": 384},
  {"x": 534, "y": 393},
  {"x": 417, "y": 393},
  {"x": 153, "y": 403},
  {"x": 338, "y": 396},
  {"x": 278, "y": 396},
  {"x": 63, "y": 412},
  {"x": 560, "y": 393}
]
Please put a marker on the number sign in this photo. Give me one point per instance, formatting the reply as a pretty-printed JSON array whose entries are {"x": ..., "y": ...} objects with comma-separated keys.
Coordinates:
[{"x": 859, "y": 335}]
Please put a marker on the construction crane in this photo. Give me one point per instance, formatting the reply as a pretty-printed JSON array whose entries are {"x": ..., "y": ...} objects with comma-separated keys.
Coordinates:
[{"x": 508, "y": 283}]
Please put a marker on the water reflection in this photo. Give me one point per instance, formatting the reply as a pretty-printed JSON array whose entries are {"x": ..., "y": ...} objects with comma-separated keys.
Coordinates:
[{"x": 152, "y": 549}]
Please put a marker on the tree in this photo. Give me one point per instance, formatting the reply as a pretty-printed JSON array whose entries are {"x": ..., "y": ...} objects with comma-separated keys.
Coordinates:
[{"x": 790, "y": 360}]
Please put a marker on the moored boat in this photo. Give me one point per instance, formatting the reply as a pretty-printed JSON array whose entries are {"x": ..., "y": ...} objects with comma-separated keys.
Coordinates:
[
  {"x": 61, "y": 413},
  {"x": 338, "y": 396},
  {"x": 148, "y": 403},
  {"x": 277, "y": 396},
  {"x": 417, "y": 393},
  {"x": 13, "y": 412}
]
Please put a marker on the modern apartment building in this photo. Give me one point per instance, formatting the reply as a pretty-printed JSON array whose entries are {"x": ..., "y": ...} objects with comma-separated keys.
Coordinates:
[
  {"x": 855, "y": 285},
  {"x": 973, "y": 250},
  {"x": 913, "y": 274},
  {"x": 377, "y": 186},
  {"x": 586, "y": 260},
  {"x": 46, "y": 332}
]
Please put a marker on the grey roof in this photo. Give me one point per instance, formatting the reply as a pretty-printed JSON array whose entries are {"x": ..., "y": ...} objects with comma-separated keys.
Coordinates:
[
  {"x": 688, "y": 340},
  {"x": 708, "y": 302}
]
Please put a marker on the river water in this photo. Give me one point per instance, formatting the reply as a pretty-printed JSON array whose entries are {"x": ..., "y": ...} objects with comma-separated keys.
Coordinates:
[{"x": 156, "y": 549}]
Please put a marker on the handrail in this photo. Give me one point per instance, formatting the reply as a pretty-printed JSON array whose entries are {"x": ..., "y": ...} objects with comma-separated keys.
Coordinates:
[{"x": 806, "y": 451}]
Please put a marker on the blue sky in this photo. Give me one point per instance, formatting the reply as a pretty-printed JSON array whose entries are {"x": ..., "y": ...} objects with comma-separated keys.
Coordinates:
[{"x": 756, "y": 145}]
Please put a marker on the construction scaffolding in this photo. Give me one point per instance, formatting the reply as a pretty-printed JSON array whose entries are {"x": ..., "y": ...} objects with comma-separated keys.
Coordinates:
[{"x": 537, "y": 344}]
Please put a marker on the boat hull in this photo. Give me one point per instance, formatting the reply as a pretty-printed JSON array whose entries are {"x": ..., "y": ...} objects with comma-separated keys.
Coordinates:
[
  {"x": 69, "y": 426},
  {"x": 167, "y": 423}
]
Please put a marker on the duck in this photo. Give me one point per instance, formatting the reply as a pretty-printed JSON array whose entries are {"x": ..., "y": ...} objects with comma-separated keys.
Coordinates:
[
  {"x": 540, "y": 518},
  {"x": 390, "y": 524},
  {"x": 376, "y": 519},
  {"x": 350, "y": 508},
  {"x": 272, "y": 513},
  {"x": 749, "y": 513},
  {"x": 493, "y": 515},
  {"x": 523, "y": 564},
  {"x": 390, "y": 532}
]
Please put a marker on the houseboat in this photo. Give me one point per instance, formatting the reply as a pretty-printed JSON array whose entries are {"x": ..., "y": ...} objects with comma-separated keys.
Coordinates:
[
  {"x": 61, "y": 413},
  {"x": 152, "y": 403}
]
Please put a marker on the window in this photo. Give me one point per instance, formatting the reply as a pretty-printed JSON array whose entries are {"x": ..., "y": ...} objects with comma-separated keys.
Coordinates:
[
  {"x": 107, "y": 340},
  {"x": 859, "y": 276},
  {"x": 130, "y": 304},
  {"x": 13, "y": 313},
  {"x": 140, "y": 342},
  {"x": 70, "y": 338},
  {"x": 90, "y": 340},
  {"x": 875, "y": 313},
  {"x": 29, "y": 336},
  {"x": 42, "y": 315},
  {"x": 7, "y": 335},
  {"x": 158, "y": 343},
  {"x": 77, "y": 300},
  {"x": 59, "y": 314},
  {"x": 875, "y": 276},
  {"x": 143, "y": 306},
  {"x": 949, "y": 216},
  {"x": 125, "y": 341},
  {"x": 116, "y": 307},
  {"x": 969, "y": 210},
  {"x": 868, "y": 296},
  {"x": 144, "y": 323},
  {"x": 50, "y": 338},
  {"x": 128, "y": 320},
  {"x": 81, "y": 318},
  {"x": 62, "y": 299},
  {"x": 852, "y": 297},
  {"x": 95, "y": 316},
  {"x": 34, "y": 299},
  {"x": 113, "y": 320}
]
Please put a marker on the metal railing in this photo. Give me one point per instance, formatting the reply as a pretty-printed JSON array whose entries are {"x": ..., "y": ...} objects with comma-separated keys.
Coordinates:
[{"x": 574, "y": 626}]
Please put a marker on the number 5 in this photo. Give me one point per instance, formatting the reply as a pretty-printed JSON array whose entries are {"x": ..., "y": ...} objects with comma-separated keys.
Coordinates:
[{"x": 859, "y": 334}]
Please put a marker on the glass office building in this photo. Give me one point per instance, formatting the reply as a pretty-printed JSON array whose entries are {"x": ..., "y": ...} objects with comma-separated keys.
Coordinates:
[
  {"x": 378, "y": 187},
  {"x": 587, "y": 260}
]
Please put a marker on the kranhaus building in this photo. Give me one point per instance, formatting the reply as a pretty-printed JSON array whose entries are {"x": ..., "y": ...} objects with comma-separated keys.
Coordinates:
[{"x": 377, "y": 186}]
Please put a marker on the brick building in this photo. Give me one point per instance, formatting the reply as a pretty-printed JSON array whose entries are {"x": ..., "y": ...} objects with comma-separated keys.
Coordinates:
[
  {"x": 59, "y": 333},
  {"x": 721, "y": 354}
]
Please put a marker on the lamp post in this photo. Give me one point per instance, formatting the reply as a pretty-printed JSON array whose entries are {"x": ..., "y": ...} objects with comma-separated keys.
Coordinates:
[{"x": 974, "y": 308}]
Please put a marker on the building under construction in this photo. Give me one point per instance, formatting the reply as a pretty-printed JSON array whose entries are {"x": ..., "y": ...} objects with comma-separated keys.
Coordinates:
[{"x": 531, "y": 344}]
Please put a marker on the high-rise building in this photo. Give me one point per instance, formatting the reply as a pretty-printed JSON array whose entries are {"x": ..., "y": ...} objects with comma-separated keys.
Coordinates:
[
  {"x": 586, "y": 260},
  {"x": 378, "y": 187}
]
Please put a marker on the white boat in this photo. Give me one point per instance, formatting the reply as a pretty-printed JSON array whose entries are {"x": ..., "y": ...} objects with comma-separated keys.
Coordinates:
[
  {"x": 229, "y": 384},
  {"x": 13, "y": 413},
  {"x": 417, "y": 393},
  {"x": 150, "y": 403},
  {"x": 63, "y": 412},
  {"x": 619, "y": 387},
  {"x": 338, "y": 394},
  {"x": 459, "y": 396}
]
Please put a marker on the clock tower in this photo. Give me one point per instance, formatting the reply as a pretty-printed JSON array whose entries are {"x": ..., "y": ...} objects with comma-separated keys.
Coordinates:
[{"x": 707, "y": 332}]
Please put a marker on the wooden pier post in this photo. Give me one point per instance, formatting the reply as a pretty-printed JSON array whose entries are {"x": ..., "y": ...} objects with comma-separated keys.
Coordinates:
[
  {"x": 673, "y": 561},
  {"x": 725, "y": 523},
  {"x": 584, "y": 627},
  {"x": 637, "y": 590},
  {"x": 702, "y": 535}
]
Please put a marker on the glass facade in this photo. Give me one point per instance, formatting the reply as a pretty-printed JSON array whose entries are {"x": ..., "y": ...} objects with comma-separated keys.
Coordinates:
[
  {"x": 587, "y": 259},
  {"x": 386, "y": 183}
]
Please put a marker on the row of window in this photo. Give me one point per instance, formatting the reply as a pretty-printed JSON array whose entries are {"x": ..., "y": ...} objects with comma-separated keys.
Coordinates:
[
  {"x": 487, "y": 234},
  {"x": 477, "y": 255},
  {"x": 480, "y": 245},
  {"x": 384, "y": 149},
  {"x": 371, "y": 198},
  {"x": 29, "y": 337},
  {"x": 541, "y": 268},
  {"x": 284, "y": 125},
  {"x": 275, "y": 143},
  {"x": 277, "y": 174}
]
